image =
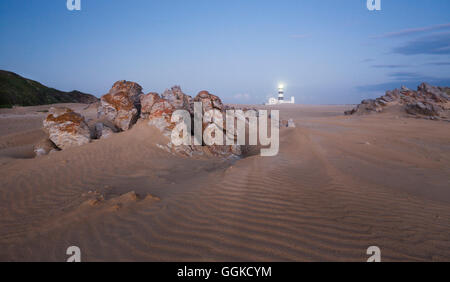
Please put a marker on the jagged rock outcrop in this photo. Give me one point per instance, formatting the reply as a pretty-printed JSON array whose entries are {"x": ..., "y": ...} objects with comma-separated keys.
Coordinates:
[
  {"x": 427, "y": 102},
  {"x": 120, "y": 108},
  {"x": 122, "y": 105},
  {"x": 66, "y": 128}
]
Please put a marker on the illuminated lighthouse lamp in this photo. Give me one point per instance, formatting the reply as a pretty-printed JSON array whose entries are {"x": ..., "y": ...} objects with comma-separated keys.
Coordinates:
[{"x": 280, "y": 100}]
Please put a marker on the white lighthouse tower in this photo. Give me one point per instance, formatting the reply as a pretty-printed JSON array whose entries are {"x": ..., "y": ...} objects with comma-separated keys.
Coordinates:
[
  {"x": 280, "y": 100},
  {"x": 280, "y": 94}
]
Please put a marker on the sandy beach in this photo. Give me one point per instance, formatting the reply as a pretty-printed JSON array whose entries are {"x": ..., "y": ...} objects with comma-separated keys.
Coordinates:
[{"x": 338, "y": 185}]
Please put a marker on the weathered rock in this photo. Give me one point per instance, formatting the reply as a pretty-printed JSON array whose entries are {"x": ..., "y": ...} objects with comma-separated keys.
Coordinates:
[
  {"x": 66, "y": 128},
  {"x": 132, "y": 89},
  {"x": 44, "y": 147},
  {"x": 122, "y": 104},
  {"x": 147, "y": 102},
  {"x": 178, "y": 99},
  {"x": 423, "y": 108},
  {"x": 428, "y": 102},
  {"x": 437, "y": 94},
  {"x": 160, "y": 116},
  {"x": 209, "y": 101}
]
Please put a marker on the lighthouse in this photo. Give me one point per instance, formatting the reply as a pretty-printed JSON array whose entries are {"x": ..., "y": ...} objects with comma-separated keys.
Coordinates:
[
  {"x": 280, "y": 93},
  {"x": 280, "y": 100}
]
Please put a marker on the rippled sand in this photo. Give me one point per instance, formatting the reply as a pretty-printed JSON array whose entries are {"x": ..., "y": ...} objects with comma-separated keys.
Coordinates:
[{"x": 339, "y": 185}]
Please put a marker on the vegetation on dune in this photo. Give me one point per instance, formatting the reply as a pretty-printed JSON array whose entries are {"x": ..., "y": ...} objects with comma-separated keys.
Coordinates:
[{"x": 17, "y": 90}]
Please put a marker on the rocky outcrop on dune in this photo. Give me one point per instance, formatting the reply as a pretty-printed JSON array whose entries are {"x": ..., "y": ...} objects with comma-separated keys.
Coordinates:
[
  {"x": 158, "y": 111},
  {"x": 212, "y": 102},
  {"x": 122, "y": 105},
  {"x": 66, "y": 128},
  {"x": 428, "y": 102}
]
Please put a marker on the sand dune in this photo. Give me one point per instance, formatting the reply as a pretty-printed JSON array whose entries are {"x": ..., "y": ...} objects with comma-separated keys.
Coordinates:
[{"x": 338, "y": 185}]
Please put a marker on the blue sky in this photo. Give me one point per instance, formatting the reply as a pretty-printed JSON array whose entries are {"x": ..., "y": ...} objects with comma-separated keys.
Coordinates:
[{"x": 324, "y": 51}]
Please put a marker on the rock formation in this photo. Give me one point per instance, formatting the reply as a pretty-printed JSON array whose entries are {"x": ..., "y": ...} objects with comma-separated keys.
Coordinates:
[
  {"x": 160, "y": 116},
  {"x": 178, "y": 99},
  {"x": 66, "y": 128},
  {"x": 209, "y": 101},
  {"x": 428, "y": 102},
  {"x": 158, "y": 110},
  {"x": 122, "y": 105},
  {"x": 147, "y": 102}
]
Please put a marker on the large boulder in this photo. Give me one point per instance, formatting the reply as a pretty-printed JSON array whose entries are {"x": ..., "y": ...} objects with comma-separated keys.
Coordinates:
[
  {"x": 160, "y": 116},
  {"x": 178, "y": 99},
  {"x": 147, "y": 102},
  {"x": 133, "y": 90},
  {"x": 209, "y": 101},
  {"x": 66, "y": 128},
  {"x": 121, "y": 106},
  {"x": 159, "y": 110},
  {"x": 212, "y": 102}
]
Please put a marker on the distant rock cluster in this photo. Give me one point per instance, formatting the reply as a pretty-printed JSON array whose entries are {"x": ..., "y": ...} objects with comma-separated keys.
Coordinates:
[
  {"x": 428, "y": 102},
  {"x": 121, "y": 108}
]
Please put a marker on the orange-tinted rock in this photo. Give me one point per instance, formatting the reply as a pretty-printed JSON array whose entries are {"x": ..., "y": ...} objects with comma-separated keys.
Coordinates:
[
  {"x": 209, "y": 101},
  {"x": 66, "y": 128},
  {"x": 160, "y": 116},
  {"x": 132, "y": 89},
  {"x": 122, "y": 104},
  {"x": 147, "y": 102}
]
